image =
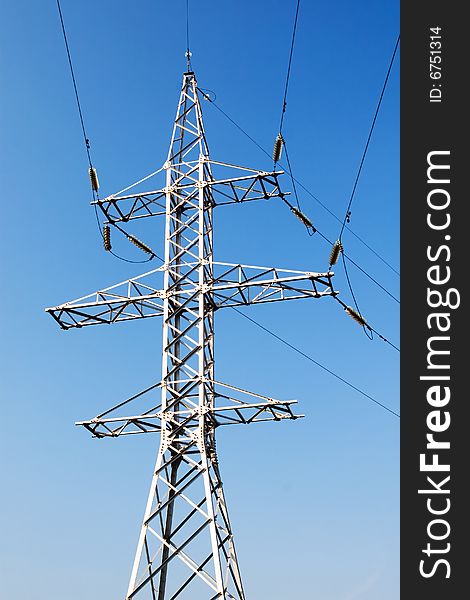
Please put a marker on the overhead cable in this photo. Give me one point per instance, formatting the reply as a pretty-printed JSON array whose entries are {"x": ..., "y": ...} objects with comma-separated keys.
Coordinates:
[
  {"x": 347, "y": 216},
  {"x": 311, "y": 359},
  {"x": 105, "y": 234},
  {"x": 300, "y": 184},
  {"x": 280, "y": 142},
  {"x": 291, "y": 52},
  {"x": 188, "y": 51}
]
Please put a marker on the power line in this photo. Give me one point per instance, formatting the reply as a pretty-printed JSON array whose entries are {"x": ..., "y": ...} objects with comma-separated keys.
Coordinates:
[
  {"x": 188, "y": 51},
  {"x": 347, "y": 216},
  {"x": 87, "y": 143},
  {"x": 368, "y": 275},
  {"x": 77, "y": 98},
  {"x": 362, "y": 321},
  {"x": 292, "y": 177},
  {"x": 280, "y": 141},
  {"x": 284, "y": 101},
  {"x": 348, "y": 210},
  {"x": 366, "y": 328},
  {"x": 353, "y": 295},
  {"x": 127, "y": 260},
  {"x": 292, "y": 347},
  {"x": 316, "y": 230},
  {"x": 385, "y": 339},
  {"x": 300, "y": 184},
  {"x": 325, "y": 207}
]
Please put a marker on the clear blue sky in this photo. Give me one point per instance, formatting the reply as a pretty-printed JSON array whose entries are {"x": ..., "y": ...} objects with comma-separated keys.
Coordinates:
[{"x": 314, "y": 503}]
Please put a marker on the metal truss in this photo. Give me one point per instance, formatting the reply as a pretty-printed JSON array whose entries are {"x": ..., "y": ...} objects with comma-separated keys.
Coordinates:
[
  {"x": 249, "y": 185},
  {"x": 231, "y": 285},
  {"x": 234, "y": 406},
  {"x": 185, "y": 548}
]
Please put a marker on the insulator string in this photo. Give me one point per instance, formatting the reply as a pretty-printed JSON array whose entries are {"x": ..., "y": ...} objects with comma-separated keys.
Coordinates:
[{"x": 92, "y": 170}]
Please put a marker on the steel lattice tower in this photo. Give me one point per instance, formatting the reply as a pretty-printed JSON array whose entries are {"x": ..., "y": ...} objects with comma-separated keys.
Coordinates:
[{"x": 186, "y": 547}]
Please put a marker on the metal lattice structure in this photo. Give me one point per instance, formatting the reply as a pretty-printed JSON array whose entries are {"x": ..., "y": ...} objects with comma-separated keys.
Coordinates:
[{"x": 186, "y": 547}]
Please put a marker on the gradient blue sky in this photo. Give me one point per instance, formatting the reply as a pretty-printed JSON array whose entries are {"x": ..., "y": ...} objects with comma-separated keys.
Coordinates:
[{"x": 314, "y": 503}]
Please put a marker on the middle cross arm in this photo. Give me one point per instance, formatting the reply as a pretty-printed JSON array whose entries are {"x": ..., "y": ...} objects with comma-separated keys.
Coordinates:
[
  {"x": 231, "y": 285},
  {"x": 242, "y": 285}
]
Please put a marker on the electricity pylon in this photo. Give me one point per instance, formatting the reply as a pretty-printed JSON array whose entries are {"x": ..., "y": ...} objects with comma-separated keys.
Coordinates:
[{"x": 186, "y": 548}]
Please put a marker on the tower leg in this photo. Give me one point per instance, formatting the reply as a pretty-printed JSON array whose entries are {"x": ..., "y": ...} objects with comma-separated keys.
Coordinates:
[{"x": 186, "y": 509}]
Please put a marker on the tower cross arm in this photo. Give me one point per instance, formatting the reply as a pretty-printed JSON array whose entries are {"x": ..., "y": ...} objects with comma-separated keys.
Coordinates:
[
  {"x": 232, "y": 285},
  {"x": 134, "y": 298},
  {"x": 223, "y": 184},
  {"x": 241, "y": 285},
  {"x": 120, "y": 209},
  {"x": 232, "y": 406}
]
